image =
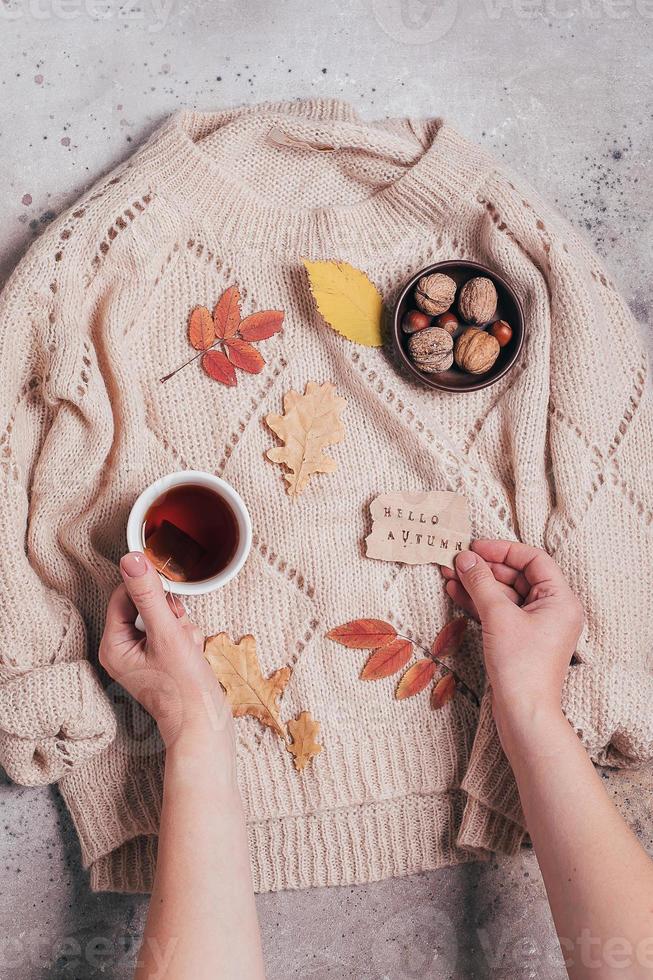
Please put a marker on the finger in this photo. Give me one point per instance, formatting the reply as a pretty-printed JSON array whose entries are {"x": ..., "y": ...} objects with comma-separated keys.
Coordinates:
[
  {"x": 196, "y": 635},
  {"x": 502, "y": 573},
  {"x": 510, "y": 576},
  {"x": 457, "y": 593},
  {"x": 534, "y": 563},
  {"x": 507, "y": 590},
  {"x": 479, "y": 582},
  {"x": 177, "y": 607},
  {"x": 119, "y": 622},
  {"x": 146, "y": 592}
]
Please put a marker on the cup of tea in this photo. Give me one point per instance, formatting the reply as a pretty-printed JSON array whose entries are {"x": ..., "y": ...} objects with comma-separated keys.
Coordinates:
[{"x": 194, "y": 528}]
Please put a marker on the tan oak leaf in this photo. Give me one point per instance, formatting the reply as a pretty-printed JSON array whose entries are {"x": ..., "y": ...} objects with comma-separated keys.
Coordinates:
[
  {"x": 249, "y": 693},
  {"x": 304, "y": 746},
  {"x": 310, "y": 423}
]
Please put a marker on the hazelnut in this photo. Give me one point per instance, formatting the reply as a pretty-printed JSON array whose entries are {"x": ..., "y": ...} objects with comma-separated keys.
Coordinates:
[
  {"x": 502, "y": 331},
  {"x": 476, "y": 351},
  {"x": 448, "y": 322},
  {"x": 477, "y": 302},
  {"x": 435, "y": 293},
  {"x": 414, "y": 320},
  {"x": 431, "y": 350}
]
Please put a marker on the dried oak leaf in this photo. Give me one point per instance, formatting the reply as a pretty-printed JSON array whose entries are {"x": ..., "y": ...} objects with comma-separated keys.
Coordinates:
[
  {"x": 249, "y": 693},
  {"x": 443, "y": 691},
  {"x": 388, "y": 660},
  {"x": 416, "y": 678},
  {"x": 448, "y": 641},
  {"x": 310, "y": 422},
  {"x": 304, "y": 746},
  {"x": 363, "y": 634}
]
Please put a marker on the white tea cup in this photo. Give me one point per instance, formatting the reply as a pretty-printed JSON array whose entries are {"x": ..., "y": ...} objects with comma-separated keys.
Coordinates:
[{"x": 136, "y": 522}]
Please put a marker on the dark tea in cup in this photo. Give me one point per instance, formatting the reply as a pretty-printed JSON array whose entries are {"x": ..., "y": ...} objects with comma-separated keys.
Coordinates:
[{"x": 190, "y": 533}]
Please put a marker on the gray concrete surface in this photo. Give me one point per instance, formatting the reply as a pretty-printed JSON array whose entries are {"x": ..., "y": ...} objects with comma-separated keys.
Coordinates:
[{"x": 561, "y": 90}]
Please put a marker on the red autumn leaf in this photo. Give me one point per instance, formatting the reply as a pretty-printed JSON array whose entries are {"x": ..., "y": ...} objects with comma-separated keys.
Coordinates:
[
  {"x": 449, "y": 639},
  {"x": 363, "y": 634},
  {"x": 201, "y": 331},
  {"x": 388, "y": 660},
  {"x": 415, "y": 679},
  {"x": 260, "y": 326},
  {"x": 443, "y": 691},
  {"x": 218, "y": 367},
  {"x": 226, "y": 315},
  {"x": 242, "y": 355}
]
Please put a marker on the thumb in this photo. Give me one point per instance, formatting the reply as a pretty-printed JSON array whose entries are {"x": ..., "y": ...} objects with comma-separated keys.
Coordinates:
[
  {"x": 479, "y": 582},
  {"x": 146, "y": 592}
]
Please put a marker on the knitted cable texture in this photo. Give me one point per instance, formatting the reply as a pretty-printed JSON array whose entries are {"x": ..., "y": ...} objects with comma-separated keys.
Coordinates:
[{"x": 559, "y": 453}]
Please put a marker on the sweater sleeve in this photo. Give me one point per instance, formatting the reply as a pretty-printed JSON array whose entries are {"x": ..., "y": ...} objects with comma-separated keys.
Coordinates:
[
  {"x": 598, "y": 521},
  {"x": 53, "y": 712}
]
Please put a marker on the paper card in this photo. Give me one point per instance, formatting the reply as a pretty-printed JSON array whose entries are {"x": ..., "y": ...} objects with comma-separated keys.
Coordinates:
[{"x": 419, "y": 528}]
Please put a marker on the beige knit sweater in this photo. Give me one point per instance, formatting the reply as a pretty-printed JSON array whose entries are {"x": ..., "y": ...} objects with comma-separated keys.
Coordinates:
[{"x": 559, "y": 453}]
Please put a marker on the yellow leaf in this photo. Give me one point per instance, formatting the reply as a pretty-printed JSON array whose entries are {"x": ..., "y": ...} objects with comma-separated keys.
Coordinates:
[
  {"x": 348, "y": 301},
  {"x": 249, "y": 693},
  {"x": 304, "y": 745},
  {"x": 310, "y": 422}
]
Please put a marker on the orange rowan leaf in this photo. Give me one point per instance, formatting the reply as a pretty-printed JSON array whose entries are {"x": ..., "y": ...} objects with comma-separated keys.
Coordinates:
[
  {"x": 218, "y": 367},
  {"x": 388, "y": 660},
  {"x": 415, "y": 679},
  {"x": 201, "y": 331},
  {"x": 260, "y": 326},
  {"x": 242, "y": 355},
  {"x": 226, "y": 314},
  {"x": 363, "y": 634},
  {"x": 443, "y": 691},
  {"x": 449, "y": 639}
]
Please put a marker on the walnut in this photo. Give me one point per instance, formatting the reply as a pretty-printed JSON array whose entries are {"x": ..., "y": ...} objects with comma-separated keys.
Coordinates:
[
  {"x": 476, "y": 351},
  {"x": 477, "y": 302},
  {"x": 435, "y": 293},
  {"x": 431, "y": 350}
]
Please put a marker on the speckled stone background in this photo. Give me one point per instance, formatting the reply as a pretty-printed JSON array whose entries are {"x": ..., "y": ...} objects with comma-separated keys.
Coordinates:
[{"x": 558, "y": 88}]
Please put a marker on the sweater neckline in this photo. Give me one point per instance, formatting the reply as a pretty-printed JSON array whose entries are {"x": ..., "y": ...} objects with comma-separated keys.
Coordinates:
[{"x": 439, "y": 182}]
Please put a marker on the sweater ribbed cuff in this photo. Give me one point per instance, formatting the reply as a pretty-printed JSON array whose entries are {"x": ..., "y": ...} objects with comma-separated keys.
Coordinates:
[
  {"x": 53, "y": 719},
  {"x": 114, "y": 800},
  {"x": 484, "y": 831},
  {"x": 493, "y": 818}
]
